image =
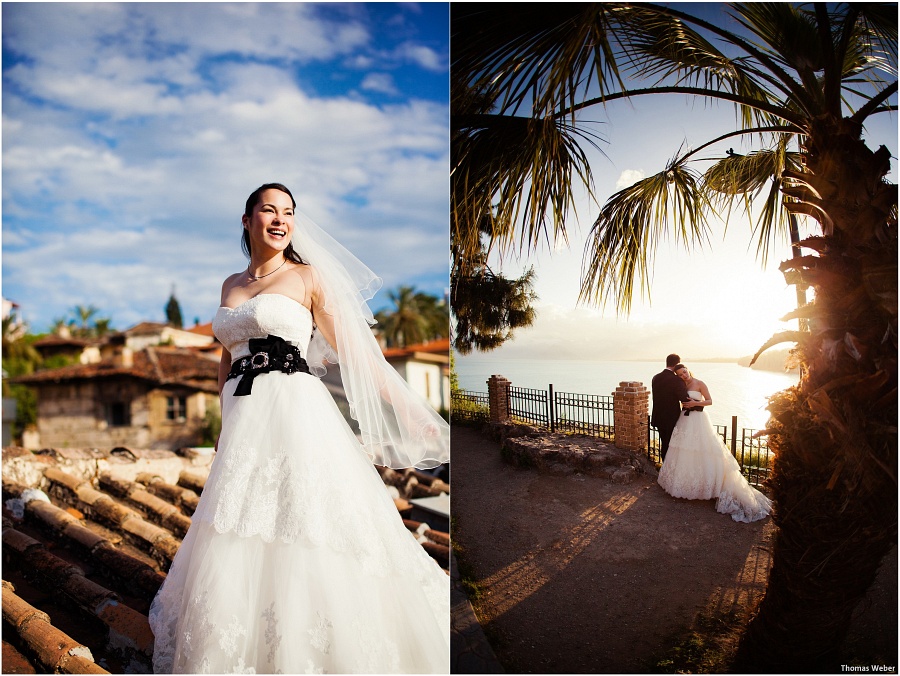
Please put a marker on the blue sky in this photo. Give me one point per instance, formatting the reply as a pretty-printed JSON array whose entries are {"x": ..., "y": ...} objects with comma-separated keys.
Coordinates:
[{"x": 133, "y": 133}]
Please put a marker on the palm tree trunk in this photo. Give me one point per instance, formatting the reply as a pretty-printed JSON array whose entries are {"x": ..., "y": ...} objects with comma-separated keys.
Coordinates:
[
  {"x": 801, "y": 290},
  {"x": 834, "y": 483}
]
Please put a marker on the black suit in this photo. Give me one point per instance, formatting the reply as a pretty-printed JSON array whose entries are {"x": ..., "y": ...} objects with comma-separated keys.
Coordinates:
[{"x": 668, "y": 392}]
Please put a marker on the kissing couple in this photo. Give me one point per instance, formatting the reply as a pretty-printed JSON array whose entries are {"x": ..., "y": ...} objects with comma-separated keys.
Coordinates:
[{"x": 697, "y": 464}]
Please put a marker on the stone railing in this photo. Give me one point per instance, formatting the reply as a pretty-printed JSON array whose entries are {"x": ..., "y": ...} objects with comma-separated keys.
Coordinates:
[{"x": 631, "y": 405}]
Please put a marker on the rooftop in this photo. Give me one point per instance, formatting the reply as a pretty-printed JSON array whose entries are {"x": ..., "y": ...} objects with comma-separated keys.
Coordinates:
[
  {"x": 156, "y": 364},
  {"x": 441, "y": 346}
]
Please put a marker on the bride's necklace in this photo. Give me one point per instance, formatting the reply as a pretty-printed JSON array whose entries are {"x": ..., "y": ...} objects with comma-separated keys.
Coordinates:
[{"x": 256, "y": 278}]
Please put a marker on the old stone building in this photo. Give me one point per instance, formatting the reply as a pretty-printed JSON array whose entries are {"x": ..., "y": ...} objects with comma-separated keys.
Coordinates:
[{"x": 155, "y": 397}]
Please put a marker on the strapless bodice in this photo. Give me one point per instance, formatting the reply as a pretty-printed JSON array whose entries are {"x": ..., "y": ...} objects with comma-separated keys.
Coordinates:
[
  {"x": 695, "y": 394},
  {"x": 260, "y": 316}
]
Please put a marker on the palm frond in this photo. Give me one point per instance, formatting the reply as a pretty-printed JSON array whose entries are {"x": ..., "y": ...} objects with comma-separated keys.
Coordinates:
[
  {"x": 664, "y": 47},
  {"x": 788, "y": 34},
  {"x": 537, "y": 54},
  {"x": 741, "y": 175},
  {"x": 745, "y": 178},
  {"x": 631, "y": 225},
  {"x": 513, "y": 181},
  {"x": 878, "y": 21}
]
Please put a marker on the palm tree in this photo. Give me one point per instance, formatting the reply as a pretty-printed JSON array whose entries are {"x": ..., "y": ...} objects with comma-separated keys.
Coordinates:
[
  {"x": 804, "y": 79},
  {"x": 415, "y": 318},
  {"x": 83, "y": 315}
]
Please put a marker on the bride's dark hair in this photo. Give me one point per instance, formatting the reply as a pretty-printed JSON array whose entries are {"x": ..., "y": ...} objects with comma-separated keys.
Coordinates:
[{"x": 252, "y": 201}]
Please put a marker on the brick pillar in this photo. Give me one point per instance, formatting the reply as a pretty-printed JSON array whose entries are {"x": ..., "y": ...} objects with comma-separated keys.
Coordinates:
[
  {"x": 631, "y": 403},
  {"x": 498, "y": 396}
]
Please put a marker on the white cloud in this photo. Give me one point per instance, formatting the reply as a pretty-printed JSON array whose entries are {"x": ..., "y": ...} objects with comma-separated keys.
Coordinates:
[
  {"x": 423, "y": 56},
  {"x": 135, "y": 175},
  {"x": 379, "y": 82},
  {"x": 629, "y": 177}
]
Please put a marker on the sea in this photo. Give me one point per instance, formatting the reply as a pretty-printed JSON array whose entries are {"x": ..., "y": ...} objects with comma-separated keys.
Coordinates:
[{"x": 735, "y": 390}]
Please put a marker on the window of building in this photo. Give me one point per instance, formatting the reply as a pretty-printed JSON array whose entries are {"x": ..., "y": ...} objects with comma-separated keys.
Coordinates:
[
  {"x": 176, "y": 409},
  {"x": 118, "y": 414}
]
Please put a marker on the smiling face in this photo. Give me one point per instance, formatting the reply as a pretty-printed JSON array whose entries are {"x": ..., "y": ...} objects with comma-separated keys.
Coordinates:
[
  {"x": 684, "y": 374},
  {"x": 271, "y": 225}
]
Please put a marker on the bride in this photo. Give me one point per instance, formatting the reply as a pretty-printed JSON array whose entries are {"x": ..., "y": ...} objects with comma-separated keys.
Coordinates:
[
  {"x": 297, "y": 560},
  {"x": 699, "y": 466}
]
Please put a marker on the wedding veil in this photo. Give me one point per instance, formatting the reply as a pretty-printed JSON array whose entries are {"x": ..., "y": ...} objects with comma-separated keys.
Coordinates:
[{"x": 398, "y": 427}]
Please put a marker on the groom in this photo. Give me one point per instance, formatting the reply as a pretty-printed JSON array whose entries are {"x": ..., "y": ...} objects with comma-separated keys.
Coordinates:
[{"x": 668, "y": 392}]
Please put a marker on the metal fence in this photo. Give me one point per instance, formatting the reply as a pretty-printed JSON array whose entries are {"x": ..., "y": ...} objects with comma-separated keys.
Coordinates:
[
  {"x": 592, "y": 414},
  {"x": 569, "y": 412},
  {"x": 470, "y": 406},
  {"x": 750, "y": 449},
  {"x": 530, "y": 406}
]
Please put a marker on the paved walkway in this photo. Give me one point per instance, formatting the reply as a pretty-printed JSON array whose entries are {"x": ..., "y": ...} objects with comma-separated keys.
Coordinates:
[
  {"x": 578, "y": 575},
  {"x": 469, "y": 648}
]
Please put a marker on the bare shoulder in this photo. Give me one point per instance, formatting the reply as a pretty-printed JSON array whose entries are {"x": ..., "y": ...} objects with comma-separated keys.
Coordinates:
[
  {"x": 298, "y": 283},
  {"x": 304, "y": 274},
  {"x": 229, "y": 283}
]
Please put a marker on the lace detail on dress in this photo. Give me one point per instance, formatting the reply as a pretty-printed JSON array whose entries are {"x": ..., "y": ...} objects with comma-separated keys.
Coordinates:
[
  {"x": 163, "y": 617},
  {"x": 267, "y": 313},
  {"x": 274, "y": 499},
  {"x": 313, "y": 668},
  {"x": 320, "y": 635},
  {"x": 377, "y": 655},
  {"x": 752, "y": 506},
  {"x": 273, "y": 638},
  {"x": 228, "y": 637},
  {"x": 202, "y": 627}
]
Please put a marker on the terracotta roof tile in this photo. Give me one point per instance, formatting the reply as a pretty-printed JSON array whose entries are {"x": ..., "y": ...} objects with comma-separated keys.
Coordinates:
[
  {"x": 177, "y": 495},
  {"x": 144, "y": 328},
  {"x": 57, "y": 576},
  {"x": 155, "y": 509},
  {"x": 440, "y": 346},
  {"x": 156, "y": 541},
  {"x": 202, "y": 330},
  {"x": 15, "y": 662},
  {"x": 54, "y": 650},
  {"x": 164, "y": 365},
  {"x": 53, "y": 340}
]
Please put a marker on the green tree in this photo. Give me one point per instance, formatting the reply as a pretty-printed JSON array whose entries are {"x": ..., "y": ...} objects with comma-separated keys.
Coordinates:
[
  {"x": 489, "y": 307},
  {"x": 414, "y": 318},
  {"x": 83, "y": 316},
  {"x": 19, "y": 358},
  {"x": 82, "y": 322},
  {"x": 804, "y": 79},
  {"x": 173, "y": 312}
]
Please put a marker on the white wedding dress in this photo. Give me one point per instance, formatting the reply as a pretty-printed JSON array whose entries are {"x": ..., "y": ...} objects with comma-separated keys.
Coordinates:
[
  {"x": 699, "y": 466},
  {"x": 296, "y": 560}
]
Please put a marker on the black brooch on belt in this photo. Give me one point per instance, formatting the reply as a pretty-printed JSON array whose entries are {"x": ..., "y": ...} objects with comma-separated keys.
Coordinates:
[{"x": 271, "y": 353}]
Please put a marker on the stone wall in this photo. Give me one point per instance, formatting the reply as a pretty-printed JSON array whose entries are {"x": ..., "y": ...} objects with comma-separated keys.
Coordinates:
[
  {"x": 498, "y": 396},
  {"x": 172, "y": 434},
  {"x": 631, "y": 406},
  {"x": 75, "y": 415}
]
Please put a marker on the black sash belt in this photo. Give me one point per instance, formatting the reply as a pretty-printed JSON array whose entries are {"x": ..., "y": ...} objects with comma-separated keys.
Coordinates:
[
  {"x": 688, "y": 411},
  {"x": 272, "y": 353}
]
